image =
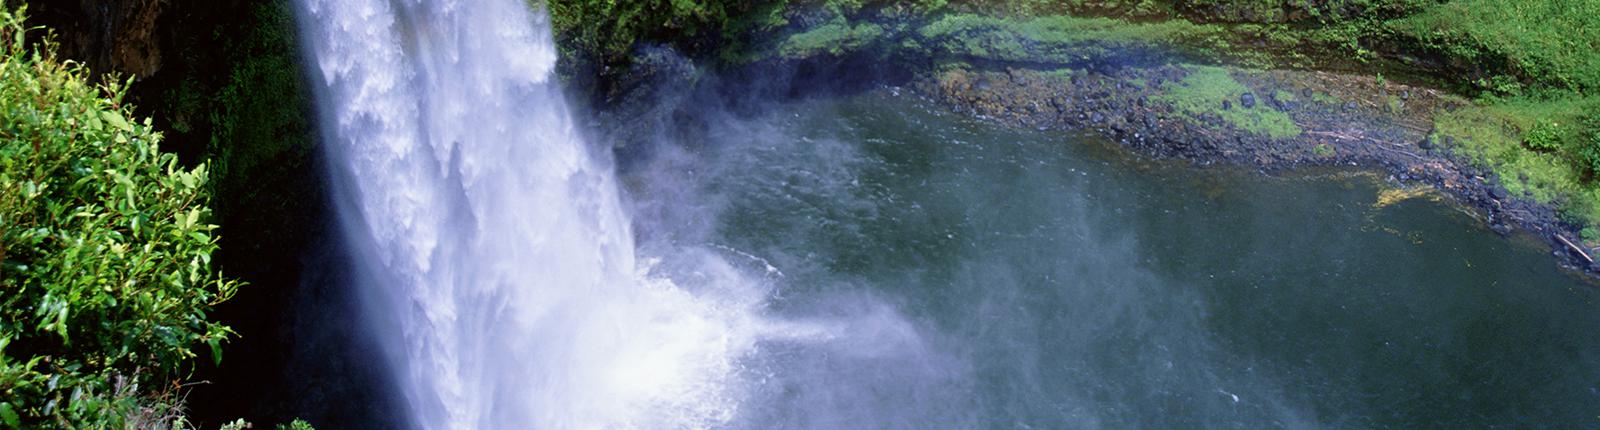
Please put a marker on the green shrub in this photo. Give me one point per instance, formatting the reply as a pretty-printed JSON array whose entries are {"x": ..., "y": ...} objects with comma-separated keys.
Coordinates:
[
  {"x": 1589, "y": 235},
  {"x": 609, "y": 28},
  {"x": 1322, "y": 150},
  {"x": 105, "y": 275},
  {"x": 1543, "y": 136},
  {"x": 1589, "y": 148}
]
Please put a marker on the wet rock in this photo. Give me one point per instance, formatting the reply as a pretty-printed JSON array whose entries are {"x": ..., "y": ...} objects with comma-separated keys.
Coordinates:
[
  {"x": 1247, "y": 100},
  {"x": 1497, "y": 192},
  {"x": 1500, "y": 229}
]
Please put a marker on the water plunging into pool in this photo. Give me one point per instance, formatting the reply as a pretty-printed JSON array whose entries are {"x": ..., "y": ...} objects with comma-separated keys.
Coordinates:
[{"x": 497, "y": 259}]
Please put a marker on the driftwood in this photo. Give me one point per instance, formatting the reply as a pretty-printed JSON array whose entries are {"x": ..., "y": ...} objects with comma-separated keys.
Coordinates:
[
  {"x": 1419, "y": 157},
  {"x": 1336, "y": 135},
  {"x": 1575, "y": 247}
]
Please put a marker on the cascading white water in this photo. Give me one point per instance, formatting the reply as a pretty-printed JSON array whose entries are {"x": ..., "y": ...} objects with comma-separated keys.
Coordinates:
[{"x": 494, "y": 246}]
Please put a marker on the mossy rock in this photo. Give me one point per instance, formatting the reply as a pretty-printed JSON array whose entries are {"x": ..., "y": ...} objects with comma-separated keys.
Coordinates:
[{"x": 1213, "y": 91}]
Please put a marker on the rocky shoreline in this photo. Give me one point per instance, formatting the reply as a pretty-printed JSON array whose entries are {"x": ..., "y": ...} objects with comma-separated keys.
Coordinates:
[{"x": 1341, "y": 120}]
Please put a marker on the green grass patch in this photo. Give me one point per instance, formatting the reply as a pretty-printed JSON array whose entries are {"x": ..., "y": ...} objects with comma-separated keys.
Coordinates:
[
  {"x": 1205, "y": 89},
  {"x": 1325, "y": 98},
  {"x": 837, "y": 37},
  {"x": 1323, "y": 150},
  {"x": 1050, "y": 38},
  {"x": 1062, "y": 73},
  {"x": 1551, "y": 42},
  {"x": 1495, "y": 136}
]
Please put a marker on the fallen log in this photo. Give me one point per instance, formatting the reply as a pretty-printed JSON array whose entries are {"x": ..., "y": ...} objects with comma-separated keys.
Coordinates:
[{"x": 1576, "y": 248}]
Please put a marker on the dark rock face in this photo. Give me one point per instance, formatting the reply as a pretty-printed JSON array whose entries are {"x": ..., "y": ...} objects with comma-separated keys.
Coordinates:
[{"x": 109, "y": 35}]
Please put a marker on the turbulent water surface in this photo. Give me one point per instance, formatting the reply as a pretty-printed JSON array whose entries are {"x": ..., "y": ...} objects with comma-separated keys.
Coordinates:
[
  {"x": 497, "y": 263},
  {"x": 1045, "y": 280},
  {"x": 864, "y": 262}
]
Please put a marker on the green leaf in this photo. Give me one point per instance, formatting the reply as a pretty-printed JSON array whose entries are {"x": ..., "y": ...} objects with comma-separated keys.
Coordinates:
[
  {"x": 216, "y": 350},
  {"x": 9, "y": 416},
  {"x": 116, "y": 120},
  {"x": 189, "y": 221}
]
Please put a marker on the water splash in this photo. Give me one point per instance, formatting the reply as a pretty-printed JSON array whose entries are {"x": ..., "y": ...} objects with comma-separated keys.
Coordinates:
[{"x": 497, "y": 257}]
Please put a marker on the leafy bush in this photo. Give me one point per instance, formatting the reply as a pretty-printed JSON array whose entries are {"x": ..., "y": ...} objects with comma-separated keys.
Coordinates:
[
  {"x": 1589, "y": 148},
  {"x": 1543, "y": 136},
  {"x": 609, "y": 28},
  {"x": 105, "y": 275}
]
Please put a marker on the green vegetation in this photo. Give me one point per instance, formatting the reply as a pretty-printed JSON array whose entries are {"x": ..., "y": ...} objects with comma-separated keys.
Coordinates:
[
  {"x": 1536, "y": 147},
  {"x": 261, "y": 138},
  {"x": 1323, "y": 150},
  {"x": 1502, "y": 47},
  {"x": 105, "y": 277},
  {"x": 609, "y": 28},
  {"x": 834, "y": 38},
  {"x": 1206, "y": 89},
  {"x": 1534, "y": 63},
  {"x": 1589, "y": 147},
  {"x": 105, "y": 252},
  {"x": 292, "y": 425},
  {"x": 1544, "y": 136},
  {"x": 1550, "y": 43},
  {"x": 1060, "y": 39}
]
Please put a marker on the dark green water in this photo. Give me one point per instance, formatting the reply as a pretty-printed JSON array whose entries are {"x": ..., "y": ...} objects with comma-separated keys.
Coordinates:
[{"x": 994, "y": 278}]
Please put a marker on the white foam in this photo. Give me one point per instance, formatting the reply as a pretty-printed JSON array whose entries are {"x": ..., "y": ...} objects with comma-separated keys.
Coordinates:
[{"x": 495, "y": 246}]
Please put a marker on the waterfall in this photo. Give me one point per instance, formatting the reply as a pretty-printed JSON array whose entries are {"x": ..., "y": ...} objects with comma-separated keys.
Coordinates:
[{"x": 495, "y": 253}]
